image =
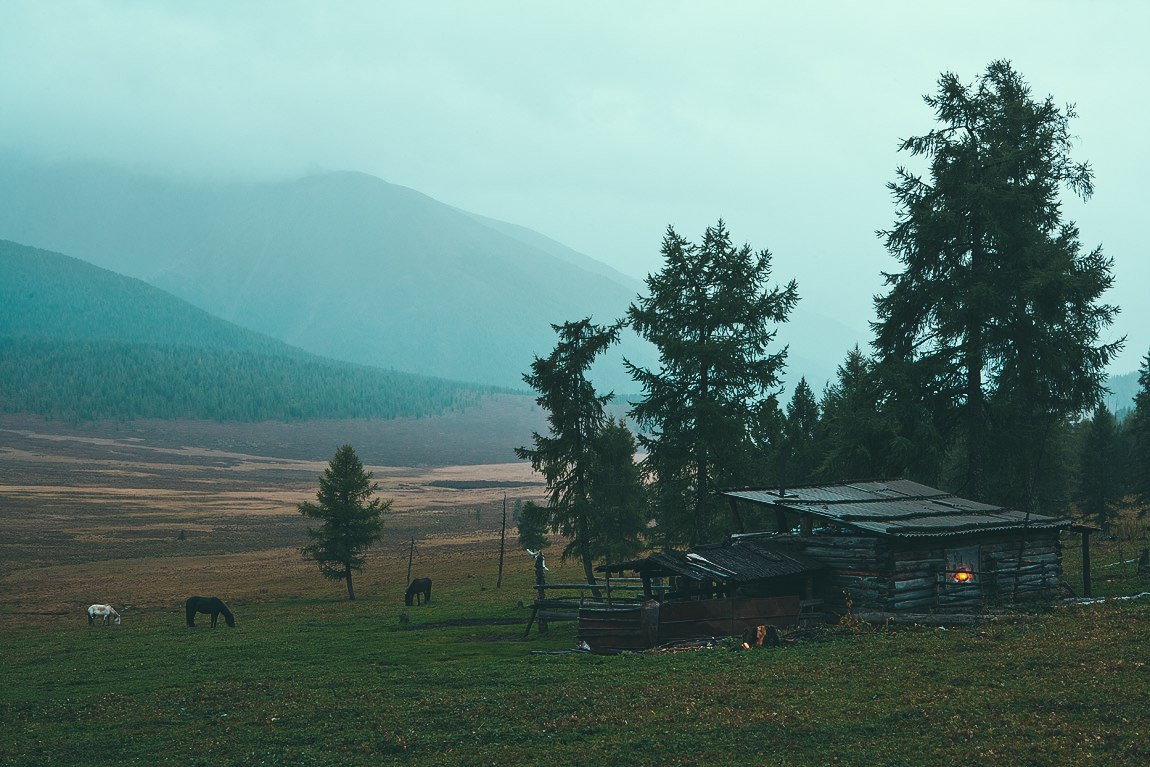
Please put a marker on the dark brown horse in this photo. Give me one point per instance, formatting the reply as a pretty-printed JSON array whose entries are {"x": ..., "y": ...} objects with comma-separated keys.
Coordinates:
[
  {"x": 420, "y": 589},
  {"x": 209, "y": 606}
]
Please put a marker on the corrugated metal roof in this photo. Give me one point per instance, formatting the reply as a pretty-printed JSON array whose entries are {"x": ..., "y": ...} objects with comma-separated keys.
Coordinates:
[
  {"x": 733, "y": 561},
  {"x": 898, "y": 508}
]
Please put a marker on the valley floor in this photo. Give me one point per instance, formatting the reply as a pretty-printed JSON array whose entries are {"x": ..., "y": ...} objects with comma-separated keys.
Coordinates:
[{"x": 308, "y": 678}]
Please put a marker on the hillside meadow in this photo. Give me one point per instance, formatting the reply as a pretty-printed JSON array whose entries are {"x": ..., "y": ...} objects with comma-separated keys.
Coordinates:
[{"x": 307, "y": 677}]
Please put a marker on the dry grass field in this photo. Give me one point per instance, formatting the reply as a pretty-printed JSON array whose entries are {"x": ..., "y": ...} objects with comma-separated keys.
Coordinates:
[{"x": 139, "y": 516}]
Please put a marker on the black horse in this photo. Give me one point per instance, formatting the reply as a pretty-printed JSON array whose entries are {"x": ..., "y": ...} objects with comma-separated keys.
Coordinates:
[
  {"x": 420, "y": 588},
  {"x": 209, "y": 606}
]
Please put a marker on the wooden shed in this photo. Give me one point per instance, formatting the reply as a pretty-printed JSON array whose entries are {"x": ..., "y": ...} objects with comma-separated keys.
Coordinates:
[
  {"x": 710, "y": 591},
  {"x": 902, "y": 546}
]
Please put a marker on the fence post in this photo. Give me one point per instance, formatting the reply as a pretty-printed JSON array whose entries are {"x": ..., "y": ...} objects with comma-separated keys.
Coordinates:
[{"x": 540, "y": 584}]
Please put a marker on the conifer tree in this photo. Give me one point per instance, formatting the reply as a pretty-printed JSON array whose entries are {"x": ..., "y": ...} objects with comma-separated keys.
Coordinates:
[
  {"x": 1100, "y": 480},
  {"x": 995, "y": 295},
  {"x": 802, "y": 435},
  {"x": 616, "y": 494},
  {"x": 859, "y": 435},
  {"x": 576, "y": 418},
  {"x": 532, "y": 523},
  {"x": 713, "y": 317},
  {"x": 352, "y": 519}
]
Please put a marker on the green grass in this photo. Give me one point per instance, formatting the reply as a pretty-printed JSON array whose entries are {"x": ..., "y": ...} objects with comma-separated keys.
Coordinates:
[{"x": 321, "y": 683}]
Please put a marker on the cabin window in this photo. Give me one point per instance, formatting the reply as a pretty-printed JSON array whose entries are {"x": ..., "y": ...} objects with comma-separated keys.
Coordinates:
[{"x": 962, "y": 566}]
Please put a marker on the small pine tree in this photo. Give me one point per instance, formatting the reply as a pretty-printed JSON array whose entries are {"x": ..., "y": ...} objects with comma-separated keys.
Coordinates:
[{"x": 352, "y": 519}]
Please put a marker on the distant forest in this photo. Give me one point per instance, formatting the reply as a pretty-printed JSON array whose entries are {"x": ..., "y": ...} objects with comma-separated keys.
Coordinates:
[
  {"x": 81, "y": 343},
  {"x": 89, "y": 380}
]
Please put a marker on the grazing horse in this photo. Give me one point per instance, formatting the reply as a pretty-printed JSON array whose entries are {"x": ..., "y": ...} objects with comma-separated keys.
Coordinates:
[
  {"x": 209, "y": 606},
  {"x": 419, "y": 590},
  {"x": 104, "y": 613}
]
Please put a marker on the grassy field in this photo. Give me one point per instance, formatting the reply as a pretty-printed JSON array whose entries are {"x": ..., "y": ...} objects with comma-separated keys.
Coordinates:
[{"x": 309, "y": 678}]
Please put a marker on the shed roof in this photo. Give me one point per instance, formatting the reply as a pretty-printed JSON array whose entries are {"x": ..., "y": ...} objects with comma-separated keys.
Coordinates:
[
  {"x": 733, "y": 561},
  {"x": 898, "y": 508}
]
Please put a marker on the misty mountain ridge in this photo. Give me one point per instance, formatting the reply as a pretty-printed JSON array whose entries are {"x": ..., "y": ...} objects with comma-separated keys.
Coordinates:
[
  {"x": 81, "y": 342},
  {"x": 350, "y": 267}
]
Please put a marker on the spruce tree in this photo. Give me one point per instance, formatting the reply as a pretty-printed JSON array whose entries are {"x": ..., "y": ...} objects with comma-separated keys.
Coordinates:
[
  {"x": 713, "y": 317},
  {"x": 803, "y": 444},
  {"x": 616, "y": 493},
  {"x": 352, "y": 519},
  {"x": 858, "y": 432}
]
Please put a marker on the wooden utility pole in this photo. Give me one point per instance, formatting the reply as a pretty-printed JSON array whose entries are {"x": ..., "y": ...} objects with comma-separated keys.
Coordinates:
[
  {"x": 502, "y": 541},
  {"x": 410, "y": 556}
]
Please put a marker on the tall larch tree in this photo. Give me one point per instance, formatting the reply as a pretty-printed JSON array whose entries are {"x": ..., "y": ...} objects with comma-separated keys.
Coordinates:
[
  {"x": 712, "y": 315},
  {"x": 995, "y": 296}
]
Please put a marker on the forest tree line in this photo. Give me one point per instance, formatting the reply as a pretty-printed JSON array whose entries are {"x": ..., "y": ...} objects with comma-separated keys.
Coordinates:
[
  {"x": 96, "y": 379},
  {"x": 985, "y": 376}
]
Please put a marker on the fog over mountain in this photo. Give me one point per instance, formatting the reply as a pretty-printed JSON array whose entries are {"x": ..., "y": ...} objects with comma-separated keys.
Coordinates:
[{"x": 351, "y": 267}]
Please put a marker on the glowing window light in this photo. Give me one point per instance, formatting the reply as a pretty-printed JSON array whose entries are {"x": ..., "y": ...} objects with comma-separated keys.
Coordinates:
[{"x": 963, "y": 576}]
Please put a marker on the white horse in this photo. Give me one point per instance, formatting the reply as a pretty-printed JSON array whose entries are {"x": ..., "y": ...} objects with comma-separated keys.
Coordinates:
[{"x": 104, "y": 613}]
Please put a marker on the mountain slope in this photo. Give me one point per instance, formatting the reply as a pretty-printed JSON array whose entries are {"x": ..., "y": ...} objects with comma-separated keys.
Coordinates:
[
  {"x": 77, "y": 341},
  {"x": 340, "y": 264}
]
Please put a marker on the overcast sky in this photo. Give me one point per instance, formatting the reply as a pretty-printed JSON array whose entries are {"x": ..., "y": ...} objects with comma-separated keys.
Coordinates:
[{"x": 596, "y": 123}]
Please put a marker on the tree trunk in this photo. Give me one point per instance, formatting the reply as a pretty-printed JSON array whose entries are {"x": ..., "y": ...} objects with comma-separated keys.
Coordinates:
[
  {"x": 502, "y": 542},
  {"x": 350, "y": 589},
  {"x": 701, "y": 467},
  {"x": 585, "y": 554},
  {"x": 975, "y": 417},
  {"x": 700, "y": 501}
]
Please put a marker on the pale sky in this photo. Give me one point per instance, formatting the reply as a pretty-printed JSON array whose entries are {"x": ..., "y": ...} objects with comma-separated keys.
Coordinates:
[{"x": 595, "y": 123}]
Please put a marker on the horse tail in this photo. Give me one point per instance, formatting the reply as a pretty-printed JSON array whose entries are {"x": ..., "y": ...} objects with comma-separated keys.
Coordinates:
[
  {"x": 427, "y": 593},
  {"x": 228, "y": 617},
  {"x": 190, "y": 609}
]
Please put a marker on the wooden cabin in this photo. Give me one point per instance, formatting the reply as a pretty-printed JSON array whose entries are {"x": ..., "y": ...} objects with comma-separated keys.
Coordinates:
[
  {"x": 719, "y": 590},
  {"x": 902, "y": 546}
]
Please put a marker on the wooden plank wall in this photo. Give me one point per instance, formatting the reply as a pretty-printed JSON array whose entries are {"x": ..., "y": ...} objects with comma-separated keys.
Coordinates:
[{"x": 882, "y": 574}]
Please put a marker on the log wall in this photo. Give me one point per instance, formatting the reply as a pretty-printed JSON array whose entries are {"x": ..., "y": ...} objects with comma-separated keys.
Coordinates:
[{"x": 903, "y": 575}]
